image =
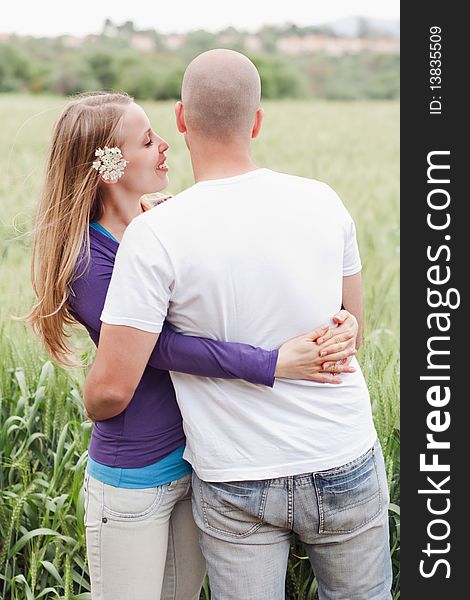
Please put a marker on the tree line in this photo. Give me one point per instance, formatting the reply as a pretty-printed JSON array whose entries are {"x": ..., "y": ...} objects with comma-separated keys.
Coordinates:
[{"x": 48, "y": 65}]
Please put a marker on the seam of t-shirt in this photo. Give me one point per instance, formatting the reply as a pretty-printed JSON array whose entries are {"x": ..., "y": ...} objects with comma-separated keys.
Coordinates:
[
  {"x": 148, "y": 326},
  {"x": 353, "y": 271},
  {"x": 235, "y": 179},
  {"x": 269, "y": 472}
]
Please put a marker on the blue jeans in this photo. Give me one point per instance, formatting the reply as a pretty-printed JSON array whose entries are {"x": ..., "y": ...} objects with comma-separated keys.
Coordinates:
[{"x": 340, "y": 515}]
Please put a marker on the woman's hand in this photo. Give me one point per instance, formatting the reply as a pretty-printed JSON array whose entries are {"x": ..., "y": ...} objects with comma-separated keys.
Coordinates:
[
  {"x": 332, "y": 344},
  {"x": 321, "y": 354}
]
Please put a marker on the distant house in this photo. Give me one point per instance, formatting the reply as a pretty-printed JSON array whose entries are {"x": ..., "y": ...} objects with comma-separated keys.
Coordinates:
[
  {"x": 336, "y": 46},
  {"x": 385, "y": 45},
  {"x": 294, "y": 44},
  {"x": 174, "y": 41},
  {"x": 73, "y": 41},
  {"x": 143, "y": 41},
  {"x": 252, "y": 43},
  {"x": 227, "y": 39}
]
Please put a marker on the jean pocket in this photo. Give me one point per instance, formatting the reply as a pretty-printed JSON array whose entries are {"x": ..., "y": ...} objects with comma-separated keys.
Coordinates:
[
  {"x": 233, "y": 508},
  {"x": 124, "y": 504},
  {"x": 349, "y": 496}
]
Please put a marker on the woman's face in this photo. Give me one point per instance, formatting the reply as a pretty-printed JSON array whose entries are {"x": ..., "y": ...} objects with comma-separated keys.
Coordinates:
[{"x": 146, "y": 171}]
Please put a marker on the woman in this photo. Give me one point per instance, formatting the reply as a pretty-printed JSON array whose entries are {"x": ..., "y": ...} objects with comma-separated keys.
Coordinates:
[{"x": 141, "y": 539}]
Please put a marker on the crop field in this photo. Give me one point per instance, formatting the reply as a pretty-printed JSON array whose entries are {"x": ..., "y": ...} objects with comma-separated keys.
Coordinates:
[{"x": 44, "y": 432}]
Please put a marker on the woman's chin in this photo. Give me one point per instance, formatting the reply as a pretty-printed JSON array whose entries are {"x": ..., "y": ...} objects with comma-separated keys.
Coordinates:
[
  {"x": 160, "y": 186},
  {"x": 163, "y": 181}
]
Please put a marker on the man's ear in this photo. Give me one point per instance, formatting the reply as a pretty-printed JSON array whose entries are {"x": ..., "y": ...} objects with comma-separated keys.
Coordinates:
[
  {"x": 179, "y": 113},
  {"x": 257, "y": 124}
]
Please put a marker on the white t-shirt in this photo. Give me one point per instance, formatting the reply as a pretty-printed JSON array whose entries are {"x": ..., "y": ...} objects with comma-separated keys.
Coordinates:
[{"x": 257, "y": 258}]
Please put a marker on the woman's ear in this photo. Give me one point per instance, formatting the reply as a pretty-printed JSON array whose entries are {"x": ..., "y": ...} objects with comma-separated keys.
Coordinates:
[
  {"x": 179, "y": 113},
  {"x": 104, "y": 181}
]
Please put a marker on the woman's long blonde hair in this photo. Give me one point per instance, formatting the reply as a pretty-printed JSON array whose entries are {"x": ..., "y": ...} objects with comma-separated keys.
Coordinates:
[{"x": 70, "y": 200}]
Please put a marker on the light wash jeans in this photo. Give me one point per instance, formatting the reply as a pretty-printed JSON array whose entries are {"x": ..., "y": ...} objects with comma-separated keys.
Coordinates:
[
  {"x": 341, "y": 516},
  {"x": 142, "y": 543}
]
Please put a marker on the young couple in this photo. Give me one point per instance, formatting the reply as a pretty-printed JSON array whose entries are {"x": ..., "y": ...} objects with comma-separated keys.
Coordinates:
[{"x": 271, "y": 438}]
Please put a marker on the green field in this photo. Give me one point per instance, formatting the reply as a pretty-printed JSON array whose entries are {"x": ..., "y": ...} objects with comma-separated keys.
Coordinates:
[{"x": 43, "y": 432}]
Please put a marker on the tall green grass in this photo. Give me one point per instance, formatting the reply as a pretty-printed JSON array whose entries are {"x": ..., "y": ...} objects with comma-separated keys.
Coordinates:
[{"x": 43, "y": 430}]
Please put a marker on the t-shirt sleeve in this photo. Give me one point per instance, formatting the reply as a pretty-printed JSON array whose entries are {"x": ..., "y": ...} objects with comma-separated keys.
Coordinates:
[
  {"x": 351, "y": 258},
  {"x": 213, "y": 358},
  {"x": 142, "y": 281}
]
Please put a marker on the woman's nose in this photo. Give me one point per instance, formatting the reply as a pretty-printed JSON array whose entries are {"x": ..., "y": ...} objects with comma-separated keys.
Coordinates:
[{"x": 163, "y": 146}]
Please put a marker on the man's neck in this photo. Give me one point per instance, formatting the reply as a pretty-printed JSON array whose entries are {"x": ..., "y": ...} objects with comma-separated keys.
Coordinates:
[{"x": 220, "y": 162}]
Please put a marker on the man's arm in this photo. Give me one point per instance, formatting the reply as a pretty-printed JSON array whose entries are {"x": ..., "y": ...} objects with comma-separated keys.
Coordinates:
[
  {"x": 352, "y": 301},
  {"x": 121, "y": 358}
]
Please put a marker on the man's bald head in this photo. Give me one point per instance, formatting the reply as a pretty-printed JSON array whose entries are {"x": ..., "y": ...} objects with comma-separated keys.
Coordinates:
[{"x": 221, "y": 93}]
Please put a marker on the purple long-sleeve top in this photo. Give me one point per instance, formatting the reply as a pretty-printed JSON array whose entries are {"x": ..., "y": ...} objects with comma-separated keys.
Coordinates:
[{"x": 151, "y": 425}]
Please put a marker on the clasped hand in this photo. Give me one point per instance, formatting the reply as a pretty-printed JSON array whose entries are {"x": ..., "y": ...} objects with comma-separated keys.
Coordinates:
[{"x": 322, "y": 354}]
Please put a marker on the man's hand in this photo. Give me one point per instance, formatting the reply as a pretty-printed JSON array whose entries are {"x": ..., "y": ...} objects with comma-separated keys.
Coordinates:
[{"x": 122, "y": 355}]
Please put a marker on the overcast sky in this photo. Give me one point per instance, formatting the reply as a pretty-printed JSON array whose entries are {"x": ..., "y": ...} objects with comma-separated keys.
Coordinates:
[{"x": 57, "y": 17}]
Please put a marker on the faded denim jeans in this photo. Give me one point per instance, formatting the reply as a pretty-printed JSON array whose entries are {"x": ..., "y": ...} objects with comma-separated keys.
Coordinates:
[{"x": 340, "y": 515}]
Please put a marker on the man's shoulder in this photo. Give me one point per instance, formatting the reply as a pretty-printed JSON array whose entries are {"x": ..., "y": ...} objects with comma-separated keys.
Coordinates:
[
  {"x": 298, "y": 179},
  {"x": 160, "y": 220},
  {"x": 303, "y": 185},
  {"x": 170, "y": 205}
]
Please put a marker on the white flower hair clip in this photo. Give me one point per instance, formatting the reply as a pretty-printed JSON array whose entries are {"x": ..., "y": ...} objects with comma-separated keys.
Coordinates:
[{"x": 110, "y": 163}]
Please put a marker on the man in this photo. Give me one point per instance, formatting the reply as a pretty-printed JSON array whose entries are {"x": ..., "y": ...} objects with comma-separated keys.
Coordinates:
[{"x": 251, "y": 255}]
